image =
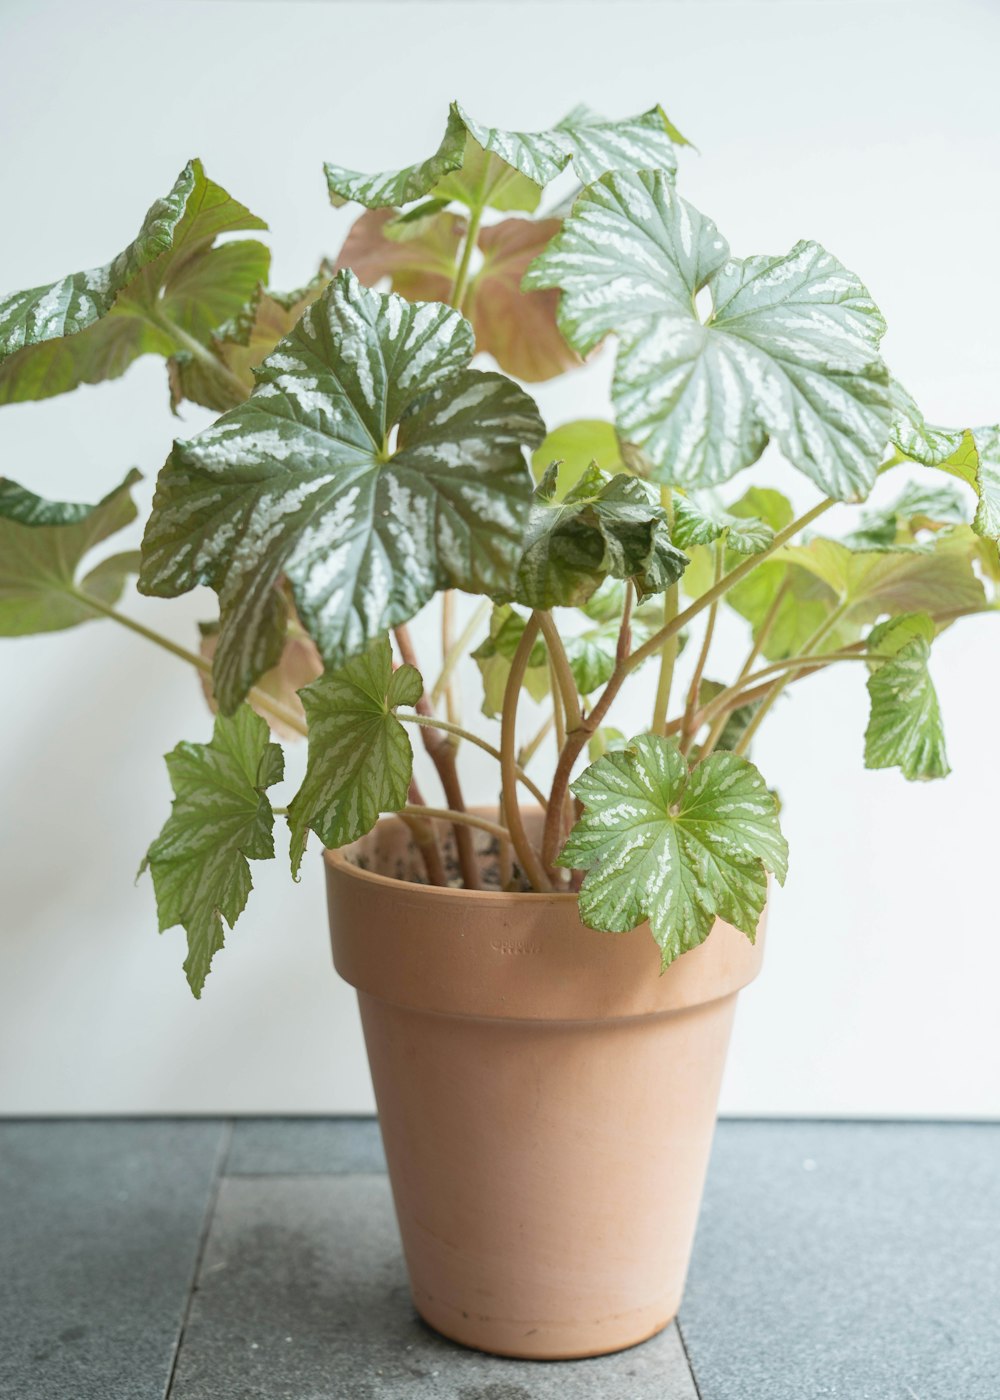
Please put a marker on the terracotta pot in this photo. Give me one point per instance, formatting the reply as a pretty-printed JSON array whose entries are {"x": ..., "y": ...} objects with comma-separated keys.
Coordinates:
[{"x": 547, "y": 1100}]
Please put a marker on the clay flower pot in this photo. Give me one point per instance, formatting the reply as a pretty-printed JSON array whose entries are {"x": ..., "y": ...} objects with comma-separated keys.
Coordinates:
[{"x": 547, "y": 1100}]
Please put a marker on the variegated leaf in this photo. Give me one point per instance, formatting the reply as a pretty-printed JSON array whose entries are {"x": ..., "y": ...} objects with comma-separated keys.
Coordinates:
[
  {"x": 360, "y": 759},
  {"x": 678, "y": 847},
  {"x": 701, "y": 520},
  {"x": 299, "y": 664},
  {"x": 593, "y": 143},
  {"x": 789, "y": 352},
  {"x": 574, "y": 446},
  {"x": 306, "y": 475},
  {"x": 394, "y": 187},
  {"x": 604, "y": 527},
  {"x": 220, "y": 820},
  {"x": 169, "y": 290},
  {"x": 915, "y": 509},
  {"x": 971, "y": 454},
  {"x": 42, "y": 545},
  {"x": 904, "y": 730}
]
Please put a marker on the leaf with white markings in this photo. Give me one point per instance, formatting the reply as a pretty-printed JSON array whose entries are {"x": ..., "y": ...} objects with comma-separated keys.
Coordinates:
[
  {"x": 971, "y": 454},
  {"x": 43, "y": 543},
  {"x": 678, "y": 847},
  {"x": 360, "y": 759},
  {"x": 605, "y": 526},
  {"x": 306, "y": 476},
  {"x": 220, "y": 820},
  {"x": 167, "y": 292},
  {"x": 700, "y": 520},
  {"x": 915, "y": 509},
  {"x": 789, "y": 352},
  {"x": 478, "y": 164},
  {"x": 905, "y": 729},
  {"x": 574, "y": 446}
]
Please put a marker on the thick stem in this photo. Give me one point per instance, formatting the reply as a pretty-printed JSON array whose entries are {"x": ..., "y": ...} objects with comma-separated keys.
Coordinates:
[
  {"x": 530, "y": 863},
  {"x": 431, "y": 722},
  {"x": 442, "y": 754},
  {"x": 465, "y": 820},
  {"x": 447, "y": 642},
  {"x": 461, "y": 282},
  {"x": 668, "y": 652},
  {"x": 561, "y": 669},
  {"x": 424, "y": 838},
  {"x": 688, "y": 727}
]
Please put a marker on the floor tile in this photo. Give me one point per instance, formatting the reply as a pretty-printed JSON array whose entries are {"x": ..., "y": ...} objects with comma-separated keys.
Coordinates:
[
  {"x": 313, "y": 1146},
  {"x": 100, "y": 1228},
  {"x": 856, "y": 1261},
  {"x": 302, "y": 1296}
]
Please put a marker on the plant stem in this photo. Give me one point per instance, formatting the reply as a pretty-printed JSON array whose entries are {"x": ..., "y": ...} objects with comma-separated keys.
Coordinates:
[
  {"x": 457, "y": 650},
  {"x": 424, "y": 838},
  {"x": 258, "y": 698},
  {"x": 203, "y": 355},
  {"x": 461, "y": 282},
  {"x": 561, "y": 670},
  {"x": 688, "y": 728},
  {"x": 447, "y": 641},
  {"x": 822, "y": 630},
  {"x": 529, "y": 861},
  {"x": 669, "y": 649},
  {"x": 465, "y": 820},
  {"x": 442, "y": 754},
  {"x": 432, "y": 722}
]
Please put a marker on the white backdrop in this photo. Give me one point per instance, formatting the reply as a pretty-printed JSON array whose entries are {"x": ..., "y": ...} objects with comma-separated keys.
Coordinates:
[{"x": 872, "y": 127}]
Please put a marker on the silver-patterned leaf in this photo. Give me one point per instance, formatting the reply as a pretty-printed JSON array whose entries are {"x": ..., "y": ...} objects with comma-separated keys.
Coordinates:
[
  {"x": 360, "y": 759},
  {"x": 701, "y": 520},
  {"x": 220, "y": 820},
  {"x": 42, "y": 545},
  {"x": 789, "y": 352},
  {"x": 593, "y": 143},
  {"x": 678, "y": 847},
  {"x": 971, "y": 454},
  {"x": 603, "y": 527},
  {"x": 904, "y": 729},
  {"x": 395, "y": 187},
  {"x": 170, "y": 287},
  {"x": 494, "y": 655},
  {"x": 305, "y": 481}
]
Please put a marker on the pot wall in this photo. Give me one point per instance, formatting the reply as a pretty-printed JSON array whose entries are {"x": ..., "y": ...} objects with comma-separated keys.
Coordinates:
[{"x": 547, "y": 1102}]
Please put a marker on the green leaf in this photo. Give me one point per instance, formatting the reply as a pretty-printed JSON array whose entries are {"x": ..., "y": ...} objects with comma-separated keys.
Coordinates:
[
  {"x": 606, "y": 739},
  {"x": 591, "y": 655},
  {"x": 168, "y": 289},
  {"x": 916, "y": 508},
  {"x": 933, "y": 578},
  {"x": 240, "y": 346},
  {"x": 594, "y": 144},
  {"x": 305, "y": 474},
  {"x": 805, "y": 603},
  {"x": 574, "y": 446},
  {"x": 494, "y": 656},
  {"x": 298, "y": 664},
  {"x": 605, "y": 526},
  {"x": 360, "y": 759},
  {"x": 220, "y": 820},
  {"x": 700, "y": 520},
  {"x": 971, "y": 454},
  {"x": 789, "y": 352},
  {"x": 905, "y": 730},
  {"x": 678, "y": 847},
  {"x": 412, "y": 182},
  {"x": 43, "y": 543},
  {"x": 484, "y": 181}
]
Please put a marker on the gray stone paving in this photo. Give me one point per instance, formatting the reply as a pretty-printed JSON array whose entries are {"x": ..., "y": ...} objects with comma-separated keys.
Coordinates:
[{"x": 203, "y": 1260}]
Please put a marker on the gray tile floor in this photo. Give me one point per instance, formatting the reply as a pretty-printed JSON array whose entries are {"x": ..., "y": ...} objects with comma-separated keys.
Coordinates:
[{"x": 206, "y": 1260}]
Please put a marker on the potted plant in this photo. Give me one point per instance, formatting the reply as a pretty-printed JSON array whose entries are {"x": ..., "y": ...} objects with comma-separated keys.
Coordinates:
[{"x": 547, "y": 981}]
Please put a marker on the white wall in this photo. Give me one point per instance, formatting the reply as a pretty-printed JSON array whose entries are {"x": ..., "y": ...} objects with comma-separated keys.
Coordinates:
[{"x": 872, "y": 127}]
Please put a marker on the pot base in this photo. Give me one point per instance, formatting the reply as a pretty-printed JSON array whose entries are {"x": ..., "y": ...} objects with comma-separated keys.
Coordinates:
[{"x": 578, "y": 1342}]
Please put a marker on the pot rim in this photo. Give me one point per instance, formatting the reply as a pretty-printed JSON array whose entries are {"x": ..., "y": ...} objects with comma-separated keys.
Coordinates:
[{"x": 338, "y": 859}]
